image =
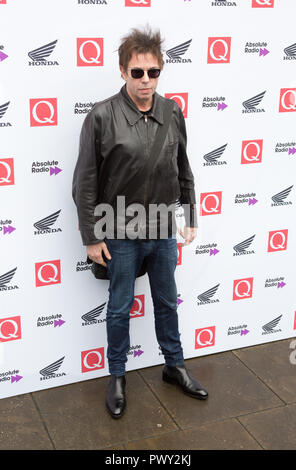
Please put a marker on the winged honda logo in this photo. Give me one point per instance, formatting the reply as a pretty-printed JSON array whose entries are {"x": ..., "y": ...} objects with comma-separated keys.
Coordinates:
[
  {"x": 5, "y": 278},
  {"x": 252, "y": 102},
  {"x": 43, "y": 52},
  {"x": 45, "y": 223},
  {"x": 52, "y": 368},
  {"x": 215, "y": 154},
  {"x": 242, "y": 246},
  {"x": 3, "y": 108},
  {"x": 272, "y": 324},
  {"x": 205, "y": 296},
  {"x": 290, "y": 50},
  {"x": 93, "y": 314},
  {"x": 177, "y": 51},
  {"x": 277, "y": 198}
]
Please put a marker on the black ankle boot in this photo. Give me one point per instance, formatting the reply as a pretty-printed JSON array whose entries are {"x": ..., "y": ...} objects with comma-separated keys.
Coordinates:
[
  {"x": 115, "y": 399},
  {"x": 180, "y": 376}
]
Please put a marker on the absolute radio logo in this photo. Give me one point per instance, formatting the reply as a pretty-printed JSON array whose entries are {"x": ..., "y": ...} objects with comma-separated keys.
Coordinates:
[
  {"x": 213, "y": 158},
  {"x": 175, "y": 55},
  {"x": 278, "y": 282},
  {"x": 6, "y": 171},
  {"x": 242, "y": 247},
  {"x": 3, "y": 109},
  {"x": 49, "y": 372},
  {"x": 211, "y": 203},
  {"x": 48, "y": 167},
  {"x": 251, "y": 104},
  {"x": 82, "y": 266},
  {"x": 92, "y": 359},
  {"x": 82, "y": 108},
  {"x": 43, "y": 112},
  {"x": 39, "y": 56},
  {"x": 135, "y": 351},
  {"x": 206, "y": 297},
  {"x": 257, "y": 48},
  {"x": 252, "y": 151},
  {"x": 277, "y": 240},
  {"x": 238, "y": 330},
  {"x": 90, "y": 52},
  {"x": 286, "y": 147},
  {"x": 219, "y": 50},
  {"x": 205, "y": 337},
  {"x": 10, "y": 329},
  {"x": 3, "y": 56},
  {"x": 92, "y": 317},
  {"x": 262, "y": 3},
  {"x": 208, "y": 249},
  {"x": 50, "y": 320},
  {"x": 47, "y": 273},
  {"x": 12, "y": 375},
  {"x": 287, "y": 100},
  {"x": 217, "y": 102},
  {"x": 5, "y": 227},
  {"x": 279, "y": 198},
  {"x": 242, "y": 288},
  {"x": 181, "y": 99},
  {"x": 247, "y": 198},
  {"x": 290, "y": 52},
  {"x": 43, "y": 226},
  {"x": 6, "y": 279},
  {"x": 138, "y": 307},
  {"x": 138, "y": 3}
]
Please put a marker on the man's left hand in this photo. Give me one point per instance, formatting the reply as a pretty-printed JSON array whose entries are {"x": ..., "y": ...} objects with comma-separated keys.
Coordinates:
[{"x": 189, "y": 235}]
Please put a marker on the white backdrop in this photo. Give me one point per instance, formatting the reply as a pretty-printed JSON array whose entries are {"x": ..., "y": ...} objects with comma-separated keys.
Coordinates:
[{"x": 52, "y": 317}]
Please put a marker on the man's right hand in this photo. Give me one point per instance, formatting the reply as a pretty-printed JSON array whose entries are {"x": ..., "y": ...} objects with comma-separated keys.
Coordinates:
[{"x": 95, "y": 252}]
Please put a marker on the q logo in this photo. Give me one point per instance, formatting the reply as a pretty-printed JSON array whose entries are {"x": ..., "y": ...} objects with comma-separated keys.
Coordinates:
[
  {"x": 251, "y": 151},
  {"x": 205, "y": 337},
  {"x": 242, "y": 288},
  {"x": 90, "y": 52},
  {"x": 43, "y": 112},
  {"x": 93, "y": 359},
  {"x": 287, "y": 100},
  {"x": 181, "y": 99},
  {"x": 262, "y": 3},
  {"x": 210, "y": 203},
  {"x": 10, "y": 329},
  {"x": 219, "y": 50},
  {"x": 138, "y": 307},
  {"x": 6, "y": 171},
  {"x": 138, "y": 3},
  {"x": 277, "y": 240},
  {"x": 48, "y": 273}
]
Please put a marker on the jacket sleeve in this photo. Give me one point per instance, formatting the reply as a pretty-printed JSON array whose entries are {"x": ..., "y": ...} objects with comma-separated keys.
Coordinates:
[
  {"x": 186, "y": 179},
  {"x": 85, "y": 178}
]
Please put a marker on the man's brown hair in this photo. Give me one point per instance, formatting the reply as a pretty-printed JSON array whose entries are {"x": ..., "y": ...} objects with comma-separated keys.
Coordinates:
[{"x": 141, "y": 42}]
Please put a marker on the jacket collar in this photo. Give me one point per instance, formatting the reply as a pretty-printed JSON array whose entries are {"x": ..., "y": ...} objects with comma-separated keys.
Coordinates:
[{"x": 133, "y": 114}]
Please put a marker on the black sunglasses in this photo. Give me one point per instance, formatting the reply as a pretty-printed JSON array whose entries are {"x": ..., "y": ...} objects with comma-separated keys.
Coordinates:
[{"x": 139, "y": 73}]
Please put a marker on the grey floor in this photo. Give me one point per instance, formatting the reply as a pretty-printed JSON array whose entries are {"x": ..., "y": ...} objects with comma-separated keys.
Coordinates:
[{"x": 251, "y": 405}]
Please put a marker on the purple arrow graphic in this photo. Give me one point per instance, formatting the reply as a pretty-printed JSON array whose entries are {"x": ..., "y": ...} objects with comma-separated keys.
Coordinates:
[
  {"x": 16, "y": 378},
  {"x": 292, "y": 150},
  {"x": 54, "y": 171},
  {"x": 58, "y": 323},
  {"x": 179, "y": 301},
  {"x": 8, "y": 229},
  {"x": 138, "y": 353},
  {"x": 263, "y": 51},
  {"x": 252, "y": 201},
  {"x": 214, "y": 251},
  {"x": 281, "y": 284},
  {"x": 244, "y": 332},
  {"x": 3, "y": 56},
  {"x": 221, "y": 106}
]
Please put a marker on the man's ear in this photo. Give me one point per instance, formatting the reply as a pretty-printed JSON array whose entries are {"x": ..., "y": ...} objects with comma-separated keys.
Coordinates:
[{"x": 123, "y": 74}]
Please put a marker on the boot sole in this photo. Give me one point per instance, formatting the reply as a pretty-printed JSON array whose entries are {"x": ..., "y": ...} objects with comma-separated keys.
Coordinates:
[{"x": 172, "y": 381}]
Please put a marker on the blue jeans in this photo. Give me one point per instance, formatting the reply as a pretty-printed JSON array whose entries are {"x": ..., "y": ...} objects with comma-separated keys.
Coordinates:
[{"x": 161, "y": 258}]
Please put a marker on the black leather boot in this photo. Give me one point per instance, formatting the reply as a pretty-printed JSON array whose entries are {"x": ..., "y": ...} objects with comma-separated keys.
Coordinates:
[
  {"x": 115, "y": 399},
  {"x": 180, "y": 376}
]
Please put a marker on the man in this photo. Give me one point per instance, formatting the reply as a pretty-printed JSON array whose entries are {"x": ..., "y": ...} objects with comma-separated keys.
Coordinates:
[{"x": 116, "y": 141}]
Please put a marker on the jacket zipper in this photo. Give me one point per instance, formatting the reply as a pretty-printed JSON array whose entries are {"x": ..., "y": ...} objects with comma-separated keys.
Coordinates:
[{"x": 145, "y": 187}]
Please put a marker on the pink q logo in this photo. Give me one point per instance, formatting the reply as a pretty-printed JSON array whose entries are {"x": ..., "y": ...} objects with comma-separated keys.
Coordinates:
[
  {"x": 251, "y": 151},
  {"x": 43, "y": 112},
  {"x": 181, "y": 99},
  {"x": 277, "y": 240},
  {"x": 242, "y": 288},
  {"x": 219, "y": 50},
  {"x": 2, "y": 2},
  {"x": 137, "y": 3},
  {"x": 287, "y": 100},
  {"x": 93, "y": 359},
  {"x": 48, "y": 273},
  {"x": 262, "y": 3},
  {"x": 6, "y": 171},
  {"x": 138, "y": 307},
  {"x": 90, "y": 52},
  {"x": 10, "y": 329},
  {"x": 205, "y": 337},
  {"x": 210, "y": 203}
]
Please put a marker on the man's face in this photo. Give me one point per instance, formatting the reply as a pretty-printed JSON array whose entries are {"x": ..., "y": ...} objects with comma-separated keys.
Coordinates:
[{"x": 141, "y": 90}]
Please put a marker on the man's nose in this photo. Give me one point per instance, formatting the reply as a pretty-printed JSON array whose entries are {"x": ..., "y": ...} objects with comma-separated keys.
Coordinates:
[{"x": 145, "y": 77}]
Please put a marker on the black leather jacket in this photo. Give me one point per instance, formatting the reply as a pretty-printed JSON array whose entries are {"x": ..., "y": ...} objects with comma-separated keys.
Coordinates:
[{"x": 115, "y": 140}]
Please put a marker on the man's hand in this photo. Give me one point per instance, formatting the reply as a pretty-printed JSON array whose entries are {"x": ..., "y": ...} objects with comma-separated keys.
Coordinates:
[
  {"x": 189, "y": 235},
  {"x": 95, "y": 253}
]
